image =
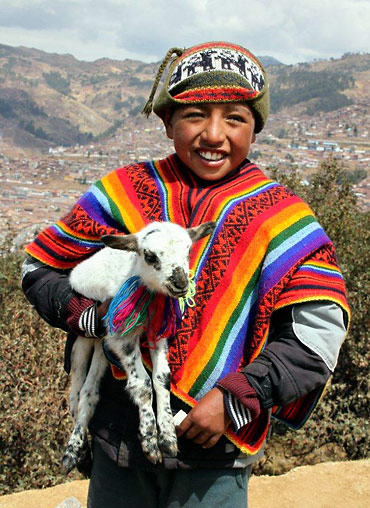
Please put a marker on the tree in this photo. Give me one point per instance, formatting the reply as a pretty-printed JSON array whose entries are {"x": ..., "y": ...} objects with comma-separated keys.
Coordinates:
[{"x": 339, "y": 427}]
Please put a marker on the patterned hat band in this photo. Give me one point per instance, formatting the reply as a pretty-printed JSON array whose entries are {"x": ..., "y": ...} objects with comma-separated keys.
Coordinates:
[
  {"x": 210, "y": 62},
  {"x": 215, "y": 94},
  {"x": 212, "y": 72}
]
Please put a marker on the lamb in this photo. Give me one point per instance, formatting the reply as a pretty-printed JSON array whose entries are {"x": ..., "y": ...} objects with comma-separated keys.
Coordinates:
[{"x": 157, "y": 257}]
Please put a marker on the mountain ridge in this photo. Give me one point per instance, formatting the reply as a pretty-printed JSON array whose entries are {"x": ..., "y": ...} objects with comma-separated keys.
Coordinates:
[{"x": 47, "y": 99}]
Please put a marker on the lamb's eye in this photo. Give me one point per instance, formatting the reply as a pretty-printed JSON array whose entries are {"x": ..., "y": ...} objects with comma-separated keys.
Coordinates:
[{"x": 150, "y": 257}]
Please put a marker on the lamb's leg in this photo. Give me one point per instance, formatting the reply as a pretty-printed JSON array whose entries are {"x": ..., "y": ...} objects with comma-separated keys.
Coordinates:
[
  {"x": 89, "y": 397},
  {"x": 80, "y": 358},
  {"x": 139, "y": 387},
  {"x": 167, "y": 438}
]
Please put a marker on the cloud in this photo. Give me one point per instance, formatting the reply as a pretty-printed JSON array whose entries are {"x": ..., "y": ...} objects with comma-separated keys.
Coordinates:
[
  {"x": 296, "y": 29},
  {"x": 291, "y": 30},
  {"x": 35, "y": 15}
]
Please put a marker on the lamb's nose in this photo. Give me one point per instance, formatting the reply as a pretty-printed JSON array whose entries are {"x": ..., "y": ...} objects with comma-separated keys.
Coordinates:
[{"x": 179, "y": 278}]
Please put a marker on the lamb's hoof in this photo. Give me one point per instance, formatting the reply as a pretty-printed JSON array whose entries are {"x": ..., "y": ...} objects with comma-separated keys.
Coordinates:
[
  {"x": 81, "y": 459},
  {"x": 151, "y": 450},
  {"x": 84, "y": 465},
  {"x": 168, "y": 444},
  {"x": 70, "y": 460},
  {"x": 77, "y": 451}
]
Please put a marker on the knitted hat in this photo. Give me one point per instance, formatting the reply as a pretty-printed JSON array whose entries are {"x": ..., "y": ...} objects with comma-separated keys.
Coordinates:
[{"x": 212, "y": 72}]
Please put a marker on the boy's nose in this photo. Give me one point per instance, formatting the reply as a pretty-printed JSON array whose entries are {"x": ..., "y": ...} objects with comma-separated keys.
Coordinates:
[{"x": 213, "y": 132}]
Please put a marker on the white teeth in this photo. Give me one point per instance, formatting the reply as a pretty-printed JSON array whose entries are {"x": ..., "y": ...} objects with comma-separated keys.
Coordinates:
[{"x": 211, "y": 156}]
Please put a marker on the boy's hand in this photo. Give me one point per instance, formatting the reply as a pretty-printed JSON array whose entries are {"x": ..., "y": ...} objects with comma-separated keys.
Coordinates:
[{"x": 207, "y": 421}]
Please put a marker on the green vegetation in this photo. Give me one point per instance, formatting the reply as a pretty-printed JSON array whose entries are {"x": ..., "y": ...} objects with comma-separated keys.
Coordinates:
[
  {"x": 18, "y": 105},
  {"x": 34, "y": 423},
  {"x": 6, "y": 109},
  {"x": 354, "y": 176},
  {"x": 119, "y": 105},
  {"x": 9, "y": 64},
  {"x": 339, "y": 427},
  {"x": 297, "y": 86},
  {"x": 139, "y": 83},
  {"x": 94, "y": 80},
  {"x": 36, "y": 131},
  {"x": 56, "y": 81},
  {"x": 140, "y": 101},
  {"x": 56, "y": 130},
  {"x": 108, "y": 132}
]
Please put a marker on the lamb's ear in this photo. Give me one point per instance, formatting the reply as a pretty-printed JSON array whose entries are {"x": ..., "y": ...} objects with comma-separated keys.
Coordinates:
[
  {"x": 201, "y": 231},
  {"x": 122, "y": 242}
]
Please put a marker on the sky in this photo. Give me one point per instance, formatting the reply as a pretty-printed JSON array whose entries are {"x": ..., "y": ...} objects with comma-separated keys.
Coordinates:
[{"x": 290, "y": 30}]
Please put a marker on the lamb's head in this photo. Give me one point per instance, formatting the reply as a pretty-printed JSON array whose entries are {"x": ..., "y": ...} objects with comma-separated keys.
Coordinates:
[{"x": 163, "y": 254}]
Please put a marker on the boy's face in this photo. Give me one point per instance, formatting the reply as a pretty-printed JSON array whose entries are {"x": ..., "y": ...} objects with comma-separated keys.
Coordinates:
[{"x": 212, "y": 139}]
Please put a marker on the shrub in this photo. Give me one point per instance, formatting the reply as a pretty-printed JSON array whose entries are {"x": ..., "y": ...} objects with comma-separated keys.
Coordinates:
[
  {"x": 34, "y": 424},
  {"x": 338, "y": 429},
  {"x": 56, "y": 81},
  {"x": 299, "y": 85}
]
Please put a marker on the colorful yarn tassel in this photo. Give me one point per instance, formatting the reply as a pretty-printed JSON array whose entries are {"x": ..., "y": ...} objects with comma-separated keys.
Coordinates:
[{"x": 134, "y": 305}]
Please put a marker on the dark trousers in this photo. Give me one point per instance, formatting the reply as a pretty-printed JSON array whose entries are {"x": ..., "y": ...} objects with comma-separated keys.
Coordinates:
[{"x": 115, "y": 487}]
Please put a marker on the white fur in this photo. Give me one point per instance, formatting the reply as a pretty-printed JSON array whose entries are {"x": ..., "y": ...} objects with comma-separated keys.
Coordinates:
[{"x": 99, "y": 278}]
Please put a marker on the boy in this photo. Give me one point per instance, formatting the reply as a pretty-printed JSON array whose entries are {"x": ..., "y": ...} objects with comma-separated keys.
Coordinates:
[{"x": 270, "y": 309}]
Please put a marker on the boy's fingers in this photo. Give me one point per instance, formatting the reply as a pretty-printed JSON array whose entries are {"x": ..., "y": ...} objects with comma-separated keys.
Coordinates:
[
  {"x": 211, "y": 441},
  {"x": 190, "y": 430},
  {"x": 193, "y": 432},
  {"x": 202, "y": 438},
  {"x": 183, "y": 427}
]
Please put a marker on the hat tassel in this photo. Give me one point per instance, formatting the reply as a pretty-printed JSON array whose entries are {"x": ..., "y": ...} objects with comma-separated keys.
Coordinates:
[{"x": 148, "y": 108}]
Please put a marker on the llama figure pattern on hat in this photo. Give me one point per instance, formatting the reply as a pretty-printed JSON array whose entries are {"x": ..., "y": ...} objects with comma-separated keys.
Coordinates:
[{"x": 218, "y": 59}]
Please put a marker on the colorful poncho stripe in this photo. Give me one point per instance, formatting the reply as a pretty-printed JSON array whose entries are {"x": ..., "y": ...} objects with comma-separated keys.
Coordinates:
[{"x": 268, "y": 251}]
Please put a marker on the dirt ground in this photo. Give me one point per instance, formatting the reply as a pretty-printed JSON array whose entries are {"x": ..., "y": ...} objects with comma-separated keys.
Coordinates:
[{"x": 327, "y": 485}]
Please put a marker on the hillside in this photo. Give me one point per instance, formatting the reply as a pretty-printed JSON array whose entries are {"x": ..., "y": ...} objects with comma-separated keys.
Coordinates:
[
  {"x": 321, "y": 86},
  {"x": 55, "y": 99},
  {"x": 48, "y": 99}
]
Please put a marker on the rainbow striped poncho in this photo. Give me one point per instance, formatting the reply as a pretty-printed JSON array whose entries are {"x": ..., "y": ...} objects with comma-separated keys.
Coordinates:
[{"x": 268, "y": 251}]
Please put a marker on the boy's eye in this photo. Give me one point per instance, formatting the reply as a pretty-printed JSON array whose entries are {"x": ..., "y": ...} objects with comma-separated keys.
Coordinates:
[
  {"x": 193, "y": 114},
  {"x": 236, "y": 118}
]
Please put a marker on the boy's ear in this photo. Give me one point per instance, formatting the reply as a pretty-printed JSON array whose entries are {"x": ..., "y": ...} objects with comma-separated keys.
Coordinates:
[{"x": 168, "y": 124}]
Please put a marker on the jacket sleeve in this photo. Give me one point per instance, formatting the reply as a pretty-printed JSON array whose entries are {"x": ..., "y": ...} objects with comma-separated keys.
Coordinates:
[
  {"x": 300, "y": 356},
  {"x": 50, "y": 293}
]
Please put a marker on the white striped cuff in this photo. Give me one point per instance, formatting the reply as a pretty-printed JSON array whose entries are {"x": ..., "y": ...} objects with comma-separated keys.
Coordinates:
[
  {"x": 239, "y": 414},
  {"x": 88, "y": 322}
]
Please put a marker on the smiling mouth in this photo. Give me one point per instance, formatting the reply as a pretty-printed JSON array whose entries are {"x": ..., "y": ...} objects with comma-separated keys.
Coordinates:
[{"x": 211, "y": 156}]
